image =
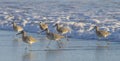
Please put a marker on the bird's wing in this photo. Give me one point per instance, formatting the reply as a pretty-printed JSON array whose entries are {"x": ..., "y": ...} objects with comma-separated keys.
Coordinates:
[
  {"x": 57, "y": 36},
  {"x": 30, "y": 38},
  {"x": 104, "y": 32},
  {"x": 44, "y": 26},
  {"x": 19, "y": 28},
  {"x": 63, "y": 29}
]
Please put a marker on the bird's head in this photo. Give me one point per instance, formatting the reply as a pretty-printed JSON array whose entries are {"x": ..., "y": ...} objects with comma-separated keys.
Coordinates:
[
  {"x": 56, "y": 25},
  {"x": 40, "y": 22},
  {"x": 95, "y": 27},
  {"x": 13, "y": 22}
]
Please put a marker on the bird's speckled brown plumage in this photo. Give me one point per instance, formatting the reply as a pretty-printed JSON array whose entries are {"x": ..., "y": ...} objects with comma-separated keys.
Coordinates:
[
  {"x": 43, "y": 26},
  {"x": 101, "y": 33},
  {"x": 53, "y": 36},
  {"x": 27, "y": 39},
  {"x": 16, "y": 27},
  {"x": 61, "y": 30}
]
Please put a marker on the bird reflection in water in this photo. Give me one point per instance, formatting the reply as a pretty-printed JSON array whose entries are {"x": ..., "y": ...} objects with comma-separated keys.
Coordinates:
[
  {"x": 101, "y": 53},
  {"x": 53, "y": 53},
  {"x": 27, "y": 56}
]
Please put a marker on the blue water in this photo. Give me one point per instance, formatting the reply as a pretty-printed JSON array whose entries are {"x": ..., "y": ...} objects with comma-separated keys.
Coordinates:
[
  {"x": 83, "y": 15},
  {"x": 13, "y": 49},
  {"x": 79, "y": 15}
]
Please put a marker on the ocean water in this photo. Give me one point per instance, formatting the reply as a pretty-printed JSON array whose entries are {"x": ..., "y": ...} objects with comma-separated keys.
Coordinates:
[
  {"x": 80, "y": 16},
  {"x": 13, "y": 49}
]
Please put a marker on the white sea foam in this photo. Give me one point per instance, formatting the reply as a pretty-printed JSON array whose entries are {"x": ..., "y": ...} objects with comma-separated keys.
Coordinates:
[{"x": 79, "y": 16}]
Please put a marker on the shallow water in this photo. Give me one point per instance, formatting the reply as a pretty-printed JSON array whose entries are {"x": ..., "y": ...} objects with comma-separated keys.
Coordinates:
[
  {"x": 13, "y": 49},
  {"x": 78, "y": 15}
]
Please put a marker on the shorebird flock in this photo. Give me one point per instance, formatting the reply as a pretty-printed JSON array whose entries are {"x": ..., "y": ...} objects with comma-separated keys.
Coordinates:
[{"x": 52, "y": 36}]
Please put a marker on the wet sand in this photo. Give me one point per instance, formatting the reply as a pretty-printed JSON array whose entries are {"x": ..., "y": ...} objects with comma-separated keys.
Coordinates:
[{"x": 13, "y": 49}]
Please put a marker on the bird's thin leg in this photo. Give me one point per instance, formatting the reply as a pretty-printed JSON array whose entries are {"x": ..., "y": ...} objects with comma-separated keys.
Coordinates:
[
  {"x": 38, "y": 32},
  {"x": 98, "y": 42},
  {"x": 108, "y": 42},
  {"x": 58, "y": 44},
  {"x": 41, "y": 31},
  {"x": 15, "y": 36},
  {"x": 66, "y": 37},
  {"x": 49, "y": 43},
  {"x": 26, "y": 47},
  {"x": 30, "y": 46}
]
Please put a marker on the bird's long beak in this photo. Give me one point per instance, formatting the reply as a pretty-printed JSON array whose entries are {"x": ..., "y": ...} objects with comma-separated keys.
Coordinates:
[
  {"x": 92, "y": 28},
  {"x": 54, "y": 25},
  {"x": 18, "y": 33},
  {"x": 43, "y": 30}
]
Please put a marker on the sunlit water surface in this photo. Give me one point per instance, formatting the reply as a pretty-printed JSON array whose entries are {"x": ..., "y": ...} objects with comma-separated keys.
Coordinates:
[{"x": 13, "y": 49}]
